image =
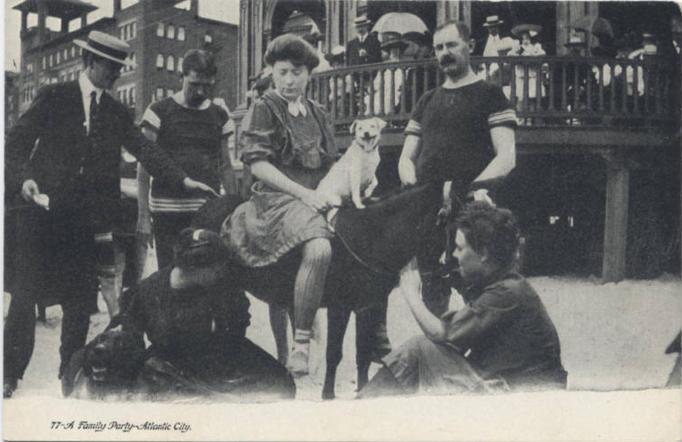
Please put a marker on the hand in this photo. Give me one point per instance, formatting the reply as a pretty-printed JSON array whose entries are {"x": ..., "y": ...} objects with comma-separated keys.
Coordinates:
[
  {"x": 317, "y": 200},
  {"x": 191, "y": 184},
  {"x": 482, "y": 195},
  {"x": 29, "y": 190},
  {"x": 444, "y": 213},
  {"x": 409, "y": 180}
]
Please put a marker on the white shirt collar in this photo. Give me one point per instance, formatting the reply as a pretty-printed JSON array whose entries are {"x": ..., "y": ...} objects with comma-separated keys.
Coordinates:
[{"x": 87, "y": 88}]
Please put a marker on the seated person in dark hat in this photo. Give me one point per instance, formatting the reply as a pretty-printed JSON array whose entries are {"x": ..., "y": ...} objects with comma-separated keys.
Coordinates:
[
  {"x": 196, "y": 323},
  {"x": 501, "y": 340}
]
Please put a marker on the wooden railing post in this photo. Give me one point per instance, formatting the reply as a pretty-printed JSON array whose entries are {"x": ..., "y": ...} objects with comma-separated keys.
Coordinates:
[{"x": 616, "y": 222}]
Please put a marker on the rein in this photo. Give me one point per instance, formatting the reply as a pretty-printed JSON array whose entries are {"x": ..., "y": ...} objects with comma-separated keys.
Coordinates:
[{"x": 358, "y": 258}]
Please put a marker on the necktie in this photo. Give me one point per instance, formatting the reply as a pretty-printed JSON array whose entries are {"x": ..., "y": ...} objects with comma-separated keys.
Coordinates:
[{"x": 95, "y": 131}]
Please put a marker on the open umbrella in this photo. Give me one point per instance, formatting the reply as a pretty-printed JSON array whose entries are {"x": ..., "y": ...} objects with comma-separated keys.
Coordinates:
[{"x": 401, "y": 22}]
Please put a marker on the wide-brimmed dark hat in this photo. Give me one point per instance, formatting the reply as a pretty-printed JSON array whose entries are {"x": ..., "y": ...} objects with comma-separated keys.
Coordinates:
[
  {"x": 199, "y": 247},
  {"x": 106, "y": 46},
  {"x": 362, "y": 20},
  {"x": 492, "y": 20},
  {"x": 391, "y": 40},
  {"x": 532, "y": 30}
]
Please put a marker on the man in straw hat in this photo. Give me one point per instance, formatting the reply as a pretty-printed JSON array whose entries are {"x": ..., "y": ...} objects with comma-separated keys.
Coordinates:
[
  {"x": 63, "y": 165},
  {"x": 365, "y": 48}
]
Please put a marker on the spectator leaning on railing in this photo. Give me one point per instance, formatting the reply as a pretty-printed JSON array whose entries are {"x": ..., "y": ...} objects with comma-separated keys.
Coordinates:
[{"x": 388, "y": 82}]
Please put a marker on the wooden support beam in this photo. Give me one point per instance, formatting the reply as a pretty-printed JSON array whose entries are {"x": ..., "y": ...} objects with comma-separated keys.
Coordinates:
[{"x": 616, "y": 222}]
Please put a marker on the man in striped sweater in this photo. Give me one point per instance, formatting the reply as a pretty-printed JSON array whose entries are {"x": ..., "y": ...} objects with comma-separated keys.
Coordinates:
[
  {"x": 193, "y": 130},
  {"x": 460, "y": 137}
]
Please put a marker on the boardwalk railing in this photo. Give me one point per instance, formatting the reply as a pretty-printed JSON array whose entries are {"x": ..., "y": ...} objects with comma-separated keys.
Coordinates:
[{"x": 545, "y": 91}]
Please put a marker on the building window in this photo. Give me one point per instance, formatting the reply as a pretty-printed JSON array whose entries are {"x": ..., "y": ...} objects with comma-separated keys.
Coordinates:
[
  {"x": 59, "y": 57},
  {"x": 131, "y": 96},
  {"x": 73, "y": 51},
  {"x": 29, "y": 68},
  {"x": 44, "y": 61},
  {"x": 122, "y": 33},
  {"x": 159, "y": 61},
  {"x": 51, "y": 59},
  {"x": 208, "y": 38},
  {"x": 66, "y": 54},
  {"x": 180, "y": 61},
  {"x": 181, "y": 33},
  {"x": 160, "y": 30},
  {"x": 170, "y": 32},
  {"x": 159, "y": 93},
  {"x": 170, "y": 63}
]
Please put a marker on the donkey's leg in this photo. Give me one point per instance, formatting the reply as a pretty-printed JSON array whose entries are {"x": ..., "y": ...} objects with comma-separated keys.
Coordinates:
[
  {"x": 337, "y": 321},
  {"x": 364, "y": 329}
]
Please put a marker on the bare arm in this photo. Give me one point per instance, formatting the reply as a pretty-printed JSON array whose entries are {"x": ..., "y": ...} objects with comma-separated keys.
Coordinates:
[
  {"x": 408, "y": 157},
  {"x": 226, "y": 170},
  {"x": 504, "y": 145},
  {"x": 411, "y": 287}
]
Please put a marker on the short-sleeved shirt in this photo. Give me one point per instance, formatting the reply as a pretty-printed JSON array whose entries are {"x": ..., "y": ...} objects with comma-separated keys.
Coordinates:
[
  {"x": 454, "y": 126},
  {"x": 193, "y": 138},
  {"x": 507, "y": 333}
]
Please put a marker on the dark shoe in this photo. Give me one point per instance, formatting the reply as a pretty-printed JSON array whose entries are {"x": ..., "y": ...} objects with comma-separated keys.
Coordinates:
[{"x": 8, "y": 388}]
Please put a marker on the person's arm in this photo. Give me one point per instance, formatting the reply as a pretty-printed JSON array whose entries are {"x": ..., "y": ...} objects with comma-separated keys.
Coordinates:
[
  {"x": 143, "y": 230},
  {"x": 408, "y": 157},
  {"x": 411, "y": 287},
  {"x": 504, "y": 145},
  {"x": 273, "y": 177},
  {"x": 20, "y": 142},
  {"x": 156, "y": 161}
]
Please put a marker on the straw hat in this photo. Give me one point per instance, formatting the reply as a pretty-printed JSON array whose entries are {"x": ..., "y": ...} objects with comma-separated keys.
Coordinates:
[
  {"x": 491, "y": 21},
  {"x": 106, "y": 46}
]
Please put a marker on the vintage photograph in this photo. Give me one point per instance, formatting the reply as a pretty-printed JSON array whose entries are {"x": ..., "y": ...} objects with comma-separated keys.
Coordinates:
[{"x": 342, "y": 220}]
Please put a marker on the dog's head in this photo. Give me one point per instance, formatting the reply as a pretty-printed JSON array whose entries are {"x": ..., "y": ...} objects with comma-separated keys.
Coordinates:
[
  {"x": 113, "y": 358},
  {"x": 367, "y": 132}
]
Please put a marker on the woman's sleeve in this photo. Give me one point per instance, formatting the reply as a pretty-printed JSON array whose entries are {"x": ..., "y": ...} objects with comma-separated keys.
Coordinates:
[{"x": 260, "y": 138}]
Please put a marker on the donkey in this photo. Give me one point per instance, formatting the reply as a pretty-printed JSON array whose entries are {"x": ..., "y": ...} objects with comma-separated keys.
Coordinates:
[{"x": 370, "y": 248}]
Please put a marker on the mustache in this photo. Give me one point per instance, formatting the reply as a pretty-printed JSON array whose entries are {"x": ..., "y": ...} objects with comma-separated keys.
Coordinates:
[{"x": 446, "y": 59}]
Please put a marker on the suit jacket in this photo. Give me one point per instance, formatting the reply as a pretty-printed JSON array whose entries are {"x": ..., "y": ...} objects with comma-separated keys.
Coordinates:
[
  {"x": 49, "y": 144},
  {"x": 371, "y": 45}
]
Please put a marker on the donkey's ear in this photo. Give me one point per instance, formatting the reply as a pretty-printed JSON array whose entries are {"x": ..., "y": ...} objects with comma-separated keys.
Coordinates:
[
  {"x": 381, "y": 123},
  {"x": 352, "y": 127}
]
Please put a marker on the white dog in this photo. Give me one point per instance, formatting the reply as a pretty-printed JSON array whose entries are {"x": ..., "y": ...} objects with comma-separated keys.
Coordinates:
[{"x": 354, "y": 174}]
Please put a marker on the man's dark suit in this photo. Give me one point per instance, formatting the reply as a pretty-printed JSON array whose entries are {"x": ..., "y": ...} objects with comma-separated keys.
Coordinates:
[
  {"x": 371, "y": 45},
  {"x": 55, "y": 253}
]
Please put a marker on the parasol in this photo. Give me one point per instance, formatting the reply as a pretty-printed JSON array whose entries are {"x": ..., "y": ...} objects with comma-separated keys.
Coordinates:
[
  {"x": 598, "y": 27},
  {"x": 402, "y": 22}
]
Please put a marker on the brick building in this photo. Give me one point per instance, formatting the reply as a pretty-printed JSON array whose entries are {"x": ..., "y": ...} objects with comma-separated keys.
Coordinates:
[
  {"x": 11, "y": 98},
  {"x": 158, "y": 31}
]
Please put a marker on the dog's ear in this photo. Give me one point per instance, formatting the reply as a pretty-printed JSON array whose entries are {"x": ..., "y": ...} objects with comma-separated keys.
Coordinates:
[
  {"x": 352, "y": 126},
  {"x": 381, "y": 123}
]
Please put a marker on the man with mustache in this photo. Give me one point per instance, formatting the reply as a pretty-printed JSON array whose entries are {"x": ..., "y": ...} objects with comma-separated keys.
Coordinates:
[
  {"x": 193, "y": 129},
  {"x": 460, "y": 137}
]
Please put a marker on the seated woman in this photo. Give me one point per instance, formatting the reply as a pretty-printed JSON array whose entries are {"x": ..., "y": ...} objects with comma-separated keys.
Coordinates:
[
  {"x": 503, "y": 339},
  {"x": 287, "y": 142}
]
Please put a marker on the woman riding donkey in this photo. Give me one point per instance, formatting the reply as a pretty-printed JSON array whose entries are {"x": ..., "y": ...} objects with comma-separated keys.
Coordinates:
[{"x": 287, "y": 141}]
